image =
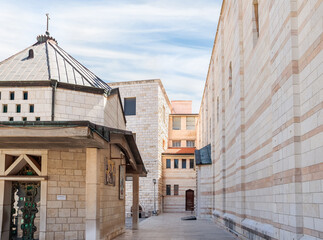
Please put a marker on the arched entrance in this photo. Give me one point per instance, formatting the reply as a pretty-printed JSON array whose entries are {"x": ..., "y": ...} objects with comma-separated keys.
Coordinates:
[{"x": 189, "y": 200}]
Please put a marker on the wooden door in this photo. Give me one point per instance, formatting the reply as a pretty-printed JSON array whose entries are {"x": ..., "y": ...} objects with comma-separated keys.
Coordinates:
[{"x": 189, "y": 200}]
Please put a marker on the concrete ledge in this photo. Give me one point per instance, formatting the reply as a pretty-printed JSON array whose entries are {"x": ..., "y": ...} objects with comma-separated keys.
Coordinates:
[{"x": 265, "y": 230}]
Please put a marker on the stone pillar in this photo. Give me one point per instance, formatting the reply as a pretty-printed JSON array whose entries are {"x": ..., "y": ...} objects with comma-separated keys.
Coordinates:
[
  {"x": 135, "y": 201},
  {"x": 5, "y": 209},
  {"x": 92, "y": 218}
]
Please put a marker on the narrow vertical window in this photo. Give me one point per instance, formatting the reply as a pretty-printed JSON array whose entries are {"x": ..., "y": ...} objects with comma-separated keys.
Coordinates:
[
  {"x": 130, "y": 106},
  {"x": 18, "y": 108},
  {"x": 184, "y": 163},
  {"x": 25, "y": 95},
  {"x": 191, "y": 163},
  {"x": 230, "y": 79},
  {"x": 175, "y": 163},
  {"x": 176, "y": 187},
  {"x": 37, "y": 118},
  {"x": 5, "y": 108},
  {"x": 31, "y": 108},
  {"x": 255, "y": 21},
  {"x": 168, "y": 191},
  {"x": 176, "y": 123},
  {"x": 0, "y": 95},
  {"x": 217, "y": 109},
  {"x": 167, "y": 163},
  {"x": 12, "y": 95}
]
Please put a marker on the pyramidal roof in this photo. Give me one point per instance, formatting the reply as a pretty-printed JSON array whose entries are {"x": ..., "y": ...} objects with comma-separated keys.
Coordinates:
[{"x": 45, "y": 60}]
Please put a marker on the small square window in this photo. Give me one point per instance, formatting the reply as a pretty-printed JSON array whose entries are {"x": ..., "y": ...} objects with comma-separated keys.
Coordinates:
[
  {"x": 167, "y": 163},
  {"x": 130, "y": 106},
  {"x": 168, "y": 190},
  {"x": 24, "y": 118},
  {"x": 25, "y": 95},
  {"x": 12, "y": 95},
  {"x": 175, "y": 163},
  {"x": 31, "y": 108},
  {"x": 18, "y": 108},
  {"x": 191, "y": 163},
  {"x": 176, "y": 143},
  {"x": 4, "y": 108},
  {"x": 37, "y": 118},
  {"x": 190, "y": 143},
  {"x": 176, "y": 187},
  {"x": 183, "y": 163},
  {"x": 10, "y": 119}
]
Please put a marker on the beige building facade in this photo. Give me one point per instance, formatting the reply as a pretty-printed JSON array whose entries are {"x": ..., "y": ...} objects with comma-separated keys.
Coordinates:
[
  {"x": 148, "y": 119},
  {"x": 64, "y": 150},
  {"x": 179, "y": 175},
  {"x": 261, "y": 115}
]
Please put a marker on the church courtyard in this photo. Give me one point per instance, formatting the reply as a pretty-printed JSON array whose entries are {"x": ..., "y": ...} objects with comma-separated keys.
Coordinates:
[{"x": 170, "y": 226}]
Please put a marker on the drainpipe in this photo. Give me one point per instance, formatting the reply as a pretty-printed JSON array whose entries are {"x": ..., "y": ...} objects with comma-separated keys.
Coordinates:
[{"x": 53, "y": 85}]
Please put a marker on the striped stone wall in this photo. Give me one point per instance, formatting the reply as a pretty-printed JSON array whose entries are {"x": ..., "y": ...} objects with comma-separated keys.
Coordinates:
[{"x": 266, "y": 179}]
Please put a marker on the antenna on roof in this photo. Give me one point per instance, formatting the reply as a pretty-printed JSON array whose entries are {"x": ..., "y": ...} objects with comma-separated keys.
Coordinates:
[{"x": 47, "y": 32}]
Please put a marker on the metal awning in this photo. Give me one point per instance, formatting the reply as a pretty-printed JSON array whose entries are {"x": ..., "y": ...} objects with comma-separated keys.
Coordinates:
[{"x": 203, "y": 155}]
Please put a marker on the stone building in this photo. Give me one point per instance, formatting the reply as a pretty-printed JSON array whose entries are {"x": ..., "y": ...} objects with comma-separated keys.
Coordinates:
[
  {"x": 261, "y": 115},
  {"x": 64, "y": 150},
  {"x": 179, "y": 175},
  {"x": 147, "y": 108}
]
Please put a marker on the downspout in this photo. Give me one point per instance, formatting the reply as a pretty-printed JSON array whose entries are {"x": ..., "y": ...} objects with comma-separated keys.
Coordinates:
[{"x": 53, "y": 85}]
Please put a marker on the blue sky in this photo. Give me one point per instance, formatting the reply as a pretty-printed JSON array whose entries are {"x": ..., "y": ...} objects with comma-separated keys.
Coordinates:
[{"x": 123, "y": 40}]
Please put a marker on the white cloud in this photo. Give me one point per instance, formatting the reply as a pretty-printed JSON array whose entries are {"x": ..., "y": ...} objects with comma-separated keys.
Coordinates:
[{"x": 123, "y": 40}]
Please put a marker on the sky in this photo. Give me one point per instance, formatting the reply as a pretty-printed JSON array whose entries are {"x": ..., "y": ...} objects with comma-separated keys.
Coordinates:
[{"x": 123, "y": 40}]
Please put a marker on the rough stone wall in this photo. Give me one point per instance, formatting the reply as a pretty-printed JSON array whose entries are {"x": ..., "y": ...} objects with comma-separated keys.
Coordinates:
[
  {"x": 185, "y": 178},
  {"x": 66, "y": 176},
  {"x": 150, "y": 130},
  {"x": 266, "y": 137}
]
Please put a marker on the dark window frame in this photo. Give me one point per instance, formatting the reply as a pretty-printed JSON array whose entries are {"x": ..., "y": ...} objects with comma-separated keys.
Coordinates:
[
  {"x": 176, "y": 164},
  {"x": 25, "y": 95},
  {"x": 4, "y": 108},
  {"x": 12, "y": 95},
  {"x": 168, "y": 190},
  {"x": 18, "y": 108},
  {"x": 31, "y": 108},
  {"x": 130, "y": 106},
  {"x": 191, "y": 163},
  {"x": 183, "y": 163},
  {"x": 168, "y": 163},
  {"x": 176, "y": 189}
]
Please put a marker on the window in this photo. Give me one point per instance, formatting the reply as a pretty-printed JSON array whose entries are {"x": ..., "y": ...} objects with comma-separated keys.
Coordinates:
[
  {"x": 12, "y": 95},
  {"x": 31, "y": 108},
  {"x": 176, "y": 143},
  {"x": 176, "y": 189},
  {"x": 25, "y": 95},
  {"x": 167, "y": 163},
  {"x": 255, "y": 21},
  {"x": 175, "y": 163},
  {"x": 190, "y": 123},
  {"x": 183, "y": 163},
  {"x": 134, "y": 136},
  {"x": 24, "y": 118},
  {"x": 10, "y": 119},
  {"x": 4, "y": 108},
  {"x": 230, "y": 79},
  {"x": 191, "y": 163},
  {"x": 128, "y": 178},
  {"x": 176, "y": 123},
  {"x": 190, "y": 143},
  {"x": 130, "y": 106},
  {"x": 168, "y": 191},
  {"x": 18, "y": 108},
  {"x": 37, "y": 118}
]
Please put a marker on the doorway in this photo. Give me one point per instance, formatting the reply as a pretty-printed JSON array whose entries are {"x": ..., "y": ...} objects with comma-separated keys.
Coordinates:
[
  {"x": 189, "y": 200},
  {"x": 25, "y": 205}
]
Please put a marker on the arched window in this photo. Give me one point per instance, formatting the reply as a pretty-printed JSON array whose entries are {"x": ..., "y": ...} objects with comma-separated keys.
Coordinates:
[{"x": 230, "y": 79}]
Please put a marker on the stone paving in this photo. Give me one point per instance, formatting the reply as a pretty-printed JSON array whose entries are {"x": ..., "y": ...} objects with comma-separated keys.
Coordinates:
[{"x": 170, "y": 226}]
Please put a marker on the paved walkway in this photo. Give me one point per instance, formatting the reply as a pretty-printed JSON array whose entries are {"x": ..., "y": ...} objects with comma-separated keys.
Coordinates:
[{"x": 170, "y": 226}]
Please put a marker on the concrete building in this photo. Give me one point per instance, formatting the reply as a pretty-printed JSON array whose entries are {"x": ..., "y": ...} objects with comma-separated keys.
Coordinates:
[
  {"x": 261, "y": 116},
  {"x": 179, "y": 175},
  {"x": 147, "y": 109},
  {"x": 64, "y": 150}
]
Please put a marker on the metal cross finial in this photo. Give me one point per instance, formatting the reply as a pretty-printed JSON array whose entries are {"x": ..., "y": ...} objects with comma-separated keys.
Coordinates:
[{"x": 47, "y": 32}]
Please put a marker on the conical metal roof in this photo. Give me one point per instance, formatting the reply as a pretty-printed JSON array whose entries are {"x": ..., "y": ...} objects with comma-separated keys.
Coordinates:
[{"x": 45, "y": 60}]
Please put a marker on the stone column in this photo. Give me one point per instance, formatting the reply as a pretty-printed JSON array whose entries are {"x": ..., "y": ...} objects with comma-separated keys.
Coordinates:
[
  {"x": 135, "y": 201},
  {"x": 92, "y": 218}
]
